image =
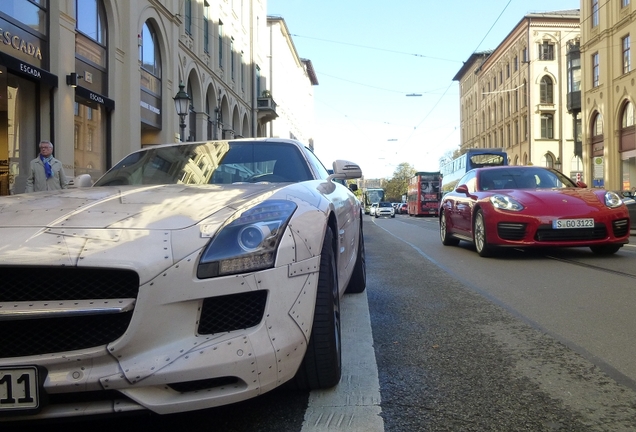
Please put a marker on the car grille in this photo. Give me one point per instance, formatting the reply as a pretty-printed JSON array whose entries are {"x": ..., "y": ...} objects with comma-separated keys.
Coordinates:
[
  {"x": 545, "y": 233},
  {"x": 511, "y": 231},
  {"x": 621, "y": 227},
  {"x": 49, "y": 335},
  {"x": 232, "y": 312}
]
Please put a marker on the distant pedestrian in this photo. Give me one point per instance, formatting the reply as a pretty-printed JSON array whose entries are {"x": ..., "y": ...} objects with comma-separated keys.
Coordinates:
[{"x": 46, "y": 172}]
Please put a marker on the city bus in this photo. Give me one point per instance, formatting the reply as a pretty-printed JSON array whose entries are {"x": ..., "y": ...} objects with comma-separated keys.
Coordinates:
[
  {"x": 423, "y": 194},
  {"x": 454, "y": 170},
  {"x": 370, "y": 196}
]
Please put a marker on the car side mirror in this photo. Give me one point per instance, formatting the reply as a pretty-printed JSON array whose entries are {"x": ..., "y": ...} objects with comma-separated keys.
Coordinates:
[
  {"x": 343, "y": 169},
  {"x": 353, "y": 187},
  {"x": 82, "y": 181},
  {"x": 462, "y": 189},
  {"x": 580, "y": 184}
]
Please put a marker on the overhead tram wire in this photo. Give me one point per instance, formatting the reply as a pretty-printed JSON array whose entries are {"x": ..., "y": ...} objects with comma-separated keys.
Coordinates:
[
  {"x": 376, "y": 48},
  {"x": 449, "y": 86}
]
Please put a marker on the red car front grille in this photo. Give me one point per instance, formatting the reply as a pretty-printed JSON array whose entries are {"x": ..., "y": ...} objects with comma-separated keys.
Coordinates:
[{"x": 545, "y": 233}]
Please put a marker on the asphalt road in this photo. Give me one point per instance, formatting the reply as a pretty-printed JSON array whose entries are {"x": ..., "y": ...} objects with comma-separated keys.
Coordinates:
[{"x": 452, "y": 356}]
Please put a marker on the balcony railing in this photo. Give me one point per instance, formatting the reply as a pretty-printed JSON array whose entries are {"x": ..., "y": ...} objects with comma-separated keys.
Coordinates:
[{"x": 266, "y": 109}]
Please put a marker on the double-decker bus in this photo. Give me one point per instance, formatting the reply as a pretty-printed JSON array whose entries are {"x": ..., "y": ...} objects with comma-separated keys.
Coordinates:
[
  {"x": 454, "y": 170},
  {"x": 370, "y": 196},
  {"x": 423, "y": 194}
]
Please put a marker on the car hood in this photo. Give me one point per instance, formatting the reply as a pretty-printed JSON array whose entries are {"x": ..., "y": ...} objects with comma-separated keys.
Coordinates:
[
  {"x": 164, "y": 207},
  {"x": 545, "y": 199},
  {"x": 146, "y": 229}
]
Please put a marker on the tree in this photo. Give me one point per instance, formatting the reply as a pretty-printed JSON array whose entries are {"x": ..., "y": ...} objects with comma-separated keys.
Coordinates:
[{"x": 398, "y": 184}]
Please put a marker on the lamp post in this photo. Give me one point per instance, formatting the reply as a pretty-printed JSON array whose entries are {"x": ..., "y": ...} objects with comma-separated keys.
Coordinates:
[
  {"x": 182, "y": 103},
  {"x": 557, "y": 164}
]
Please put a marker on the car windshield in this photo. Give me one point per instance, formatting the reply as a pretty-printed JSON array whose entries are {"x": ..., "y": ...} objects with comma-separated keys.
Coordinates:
[
  {"x": 385, "y": 204},
  {"x": 214, "y": 162},
  {"x": 522, "y": 178}
]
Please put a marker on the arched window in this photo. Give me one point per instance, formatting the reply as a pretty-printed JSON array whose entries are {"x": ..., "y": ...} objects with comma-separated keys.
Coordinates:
[
  {"x": 548, "y": 160},
  {"x": 598, "y": 143},
  {"x": 547, "y": 90},
  {"x": 90, "y": 20},
  {"x": 149, "y": 54},
  {"x": 627, "y": 118},
  {"x": 150, "y": 83},
  {"x": 628, "y": 135},
  {"x": 597, "y": 125}
]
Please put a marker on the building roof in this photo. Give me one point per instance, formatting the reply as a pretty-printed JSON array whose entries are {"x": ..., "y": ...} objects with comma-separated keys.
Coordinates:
[
  {"x": 310, "y": 71},
  {"x": 474, "y": 58},
  {"x": 569, "y": 13}
]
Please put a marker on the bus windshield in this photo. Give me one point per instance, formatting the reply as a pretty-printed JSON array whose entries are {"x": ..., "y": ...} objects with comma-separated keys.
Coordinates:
[
  {"x": 473, "y": 158},
  {"x": 371, "y": 196}
]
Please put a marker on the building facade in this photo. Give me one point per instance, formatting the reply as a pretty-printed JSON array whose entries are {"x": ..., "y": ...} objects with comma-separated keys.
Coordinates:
[
  {"x": 291, "y": 85},
  {"x": 98, "y": 78},
  {"x": 515, "y": 96},
  {"x": 608, "y": 93}
]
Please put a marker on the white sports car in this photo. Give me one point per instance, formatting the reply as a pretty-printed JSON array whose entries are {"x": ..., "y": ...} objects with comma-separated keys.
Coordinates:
[{"x": 189, "y": 276}]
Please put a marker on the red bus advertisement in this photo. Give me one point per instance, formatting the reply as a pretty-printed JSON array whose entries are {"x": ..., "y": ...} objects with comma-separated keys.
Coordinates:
[{"x": 423, "y": 194}]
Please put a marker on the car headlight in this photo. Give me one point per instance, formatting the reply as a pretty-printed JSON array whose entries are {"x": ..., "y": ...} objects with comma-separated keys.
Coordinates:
[
  {"x": 504, "y": 202},
  {"x": 612, "y": 199},
  {"x": 247, "y": 243}
]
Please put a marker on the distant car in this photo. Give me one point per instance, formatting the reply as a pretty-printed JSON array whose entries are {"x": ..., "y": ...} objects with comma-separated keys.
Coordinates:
[
  {"x": 189, "y": 276},
  {"x": 630, "y": 201},
  {"x": 403, "y": 208},
  {"x": 372, "y": 209},
  {"x": 384, "y": 209},
  {"x": 527, "y": 206}
]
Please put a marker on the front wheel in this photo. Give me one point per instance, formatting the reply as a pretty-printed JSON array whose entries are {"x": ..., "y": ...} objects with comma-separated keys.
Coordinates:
[
  {"x": 605, "y": 249},
  {"x": 479, "y": 235},
  {"x": 321, "y": 367},
  {"x": 358, "y": 281},
  {"x": 447, "y": 239}
]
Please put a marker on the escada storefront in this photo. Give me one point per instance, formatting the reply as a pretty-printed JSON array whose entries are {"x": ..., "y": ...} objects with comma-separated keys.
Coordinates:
[
  {"x": 26, "y": 91},
  {"x": 35, "y": 105}
]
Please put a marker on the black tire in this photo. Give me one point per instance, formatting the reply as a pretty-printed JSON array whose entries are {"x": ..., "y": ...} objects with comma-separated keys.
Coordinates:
[
  {"x": 358, "y": 282},
  {"x": 447, "y": 239},
  {"x": 321, "y": 367},
  {"x": 479, "y": 235},
  {"x": 606, "y": 249}
]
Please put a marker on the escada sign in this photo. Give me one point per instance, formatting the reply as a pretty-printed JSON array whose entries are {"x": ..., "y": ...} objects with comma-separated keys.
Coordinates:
[
  {"x": 16, "y": 42},
  {"x": 97, "y": 98},
  {"x": 30, "y": 70}
]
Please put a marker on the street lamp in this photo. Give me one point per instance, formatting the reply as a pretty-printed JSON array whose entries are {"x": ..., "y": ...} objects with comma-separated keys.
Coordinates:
[
  {"x": 557, "y": 164},
  {"x": 182, "y": 103}
]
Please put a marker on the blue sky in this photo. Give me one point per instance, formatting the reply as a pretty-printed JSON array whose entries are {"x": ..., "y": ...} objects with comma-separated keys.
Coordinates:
[{"x": 369, "y": 55}]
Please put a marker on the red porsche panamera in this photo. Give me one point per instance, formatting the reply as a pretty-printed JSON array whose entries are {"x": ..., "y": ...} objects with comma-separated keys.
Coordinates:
[{"x": 528, "y": 206}]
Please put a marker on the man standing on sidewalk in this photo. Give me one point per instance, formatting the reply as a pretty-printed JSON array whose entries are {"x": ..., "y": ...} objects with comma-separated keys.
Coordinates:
[{"x": 46, "y": 172}]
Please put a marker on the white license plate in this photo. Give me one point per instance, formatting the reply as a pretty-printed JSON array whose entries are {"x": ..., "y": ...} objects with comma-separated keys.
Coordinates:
[
  {"x": 573, "y": 223},
  {"x": 19, "y": 388}
]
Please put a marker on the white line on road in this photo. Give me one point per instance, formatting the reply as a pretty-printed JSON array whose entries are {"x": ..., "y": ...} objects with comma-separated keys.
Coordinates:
[{"x": 354, "y": 404}]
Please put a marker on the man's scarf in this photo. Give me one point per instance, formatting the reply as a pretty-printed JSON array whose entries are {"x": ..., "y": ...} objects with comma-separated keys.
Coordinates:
[{"x": 47, "y": 166}]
